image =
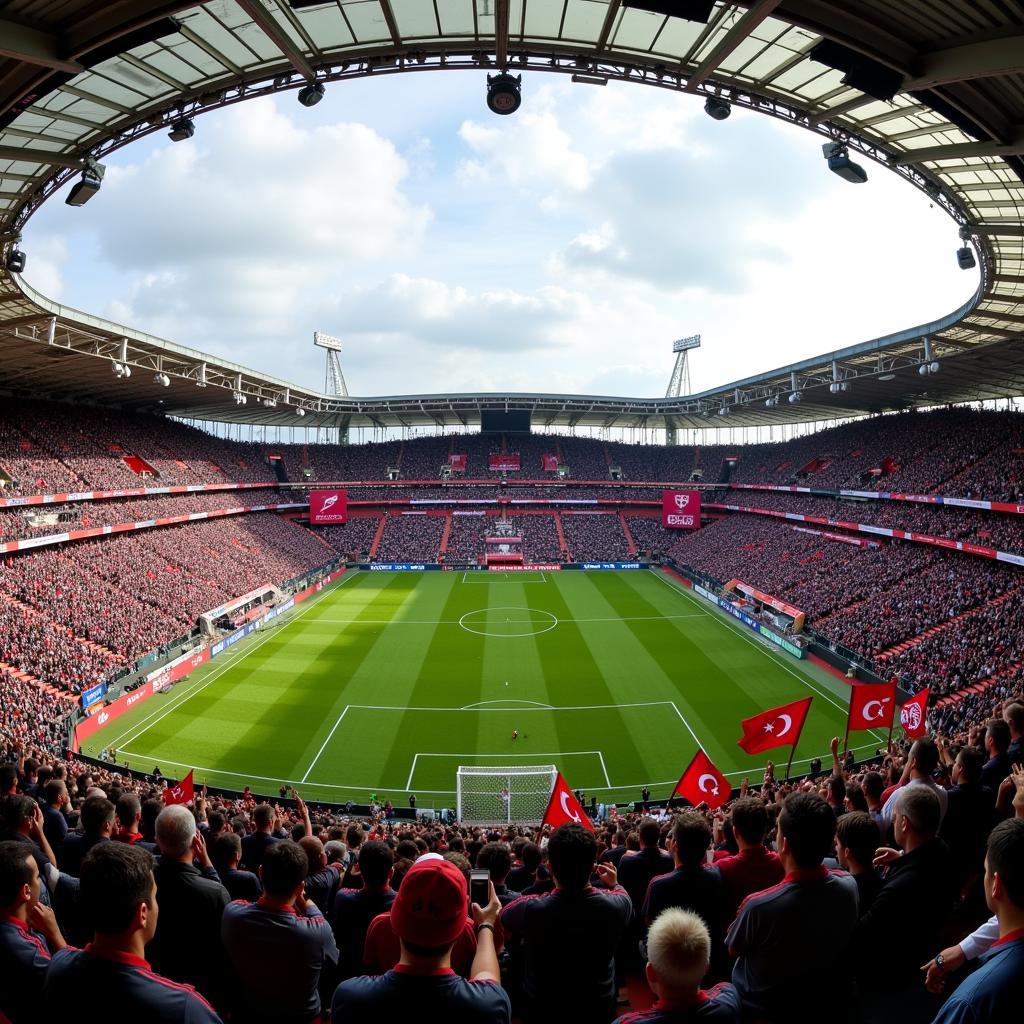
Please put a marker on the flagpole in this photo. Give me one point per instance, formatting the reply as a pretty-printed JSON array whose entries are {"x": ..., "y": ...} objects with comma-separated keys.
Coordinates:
[
  {"x": 846, "y": 738},
  {"x": 789, "y": 763}
]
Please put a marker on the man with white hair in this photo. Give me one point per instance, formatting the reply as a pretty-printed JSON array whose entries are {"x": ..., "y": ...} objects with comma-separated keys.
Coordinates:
[
  {"x": 187, "y": 945},
  {"x": 678, "y": 957}
]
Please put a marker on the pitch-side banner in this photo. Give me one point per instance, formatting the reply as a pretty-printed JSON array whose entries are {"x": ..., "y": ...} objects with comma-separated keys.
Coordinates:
[
  {"x": 680, "y": 510},
  {"x": 328, "y": 508},
  {"x": 504, "y": 463}
]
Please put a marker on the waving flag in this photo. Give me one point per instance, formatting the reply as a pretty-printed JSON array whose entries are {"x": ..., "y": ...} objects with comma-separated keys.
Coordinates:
[
  {"x": 564, "y": 808},
  {"x": 872, "y": 706},
  {"x": 779, "y": 727},
  {"x": 913, "y": 714},
  {"x": 702, "y": 782},
  {"x": 182, "y": 793}
]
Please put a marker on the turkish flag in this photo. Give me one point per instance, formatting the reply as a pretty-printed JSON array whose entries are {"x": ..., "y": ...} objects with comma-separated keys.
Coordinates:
[
  {"x": 872, "y": 705},
  {"x": 913, "y": 715},
  {"x": 779, "y": 727},
  {"x": 564, "y": 808},
  {"x": 702, "y": 782},
  {"x": 182, "y": 793}
]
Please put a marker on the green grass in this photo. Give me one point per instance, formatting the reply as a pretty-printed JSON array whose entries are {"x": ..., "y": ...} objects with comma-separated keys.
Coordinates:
[{"x": 387, "y": 682}]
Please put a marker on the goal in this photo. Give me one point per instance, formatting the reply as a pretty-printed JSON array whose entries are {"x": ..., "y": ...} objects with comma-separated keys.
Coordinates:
[{"x": 493, "y": 795}]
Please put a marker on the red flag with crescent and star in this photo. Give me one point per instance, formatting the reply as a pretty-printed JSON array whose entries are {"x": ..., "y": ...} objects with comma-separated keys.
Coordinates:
[
  {"x": 872, "y": 705},
  {"x": 564, "y": 808},
  {"x": 182, "y": 793},
  {"x": 779, "y": 727},
  {"x": 913, "y": 714},
  {"x": 703, "y": 783}
]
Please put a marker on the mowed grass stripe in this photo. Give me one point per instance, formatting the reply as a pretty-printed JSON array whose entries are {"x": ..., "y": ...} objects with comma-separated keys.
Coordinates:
[
  {"x": 226, "y": 726},
  {"x": 574, "y": 677},
  {"x": 450, "y": 675}
]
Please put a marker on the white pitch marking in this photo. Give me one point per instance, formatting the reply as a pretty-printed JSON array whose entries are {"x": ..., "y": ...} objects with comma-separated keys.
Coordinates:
[{"x": 325, "y": 742}]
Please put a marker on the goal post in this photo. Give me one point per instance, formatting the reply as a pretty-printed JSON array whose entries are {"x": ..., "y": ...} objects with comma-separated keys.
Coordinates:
[{"x": 504, "y": 795}]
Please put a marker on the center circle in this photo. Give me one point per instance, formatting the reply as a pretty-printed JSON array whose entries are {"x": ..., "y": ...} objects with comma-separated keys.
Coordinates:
[{"x": 508, "y": 621}]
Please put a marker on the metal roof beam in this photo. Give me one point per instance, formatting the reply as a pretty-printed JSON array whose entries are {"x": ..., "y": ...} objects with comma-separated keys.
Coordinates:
[
  {"x": 609, "y": 23},
  {"x": 986, "y": 59},
  {"x": 928, "y": 154},
  {"x": 270, "y": 28},
  {"x": 740, "y": 30},
  {"x": 39, "y": 156},
  {"x": 20, "y": 42},
  {"x": 500, "y": 34}
]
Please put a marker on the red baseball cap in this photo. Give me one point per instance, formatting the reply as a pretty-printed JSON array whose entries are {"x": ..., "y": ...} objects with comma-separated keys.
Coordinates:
[{"x": 432, "y": 903}]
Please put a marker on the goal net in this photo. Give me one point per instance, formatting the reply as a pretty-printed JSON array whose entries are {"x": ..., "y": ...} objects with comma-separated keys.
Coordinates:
[{"x": 493, "y": 795}]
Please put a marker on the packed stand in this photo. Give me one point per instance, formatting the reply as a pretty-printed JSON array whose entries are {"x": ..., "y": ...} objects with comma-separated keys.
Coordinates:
[
  {"x": 411, "y": 538},
  {"x": 593, "y": 536}
]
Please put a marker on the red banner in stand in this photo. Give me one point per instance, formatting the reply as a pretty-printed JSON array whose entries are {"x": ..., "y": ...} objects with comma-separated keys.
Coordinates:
[
  {"x": 507, "y": 463},
  {"x": 872, "y": 706},
  {"x": 779, "y": 727},
  {"x": 680, "y": 510},
  {"x": 913, "y": 714},
  {"x": 458, "y": 462},
  {"x": 564, "y": 808},
  {"x": 549, "y": 463},
  {"x": 703, "y": 783},
  {"x": 328, "y": 508}
]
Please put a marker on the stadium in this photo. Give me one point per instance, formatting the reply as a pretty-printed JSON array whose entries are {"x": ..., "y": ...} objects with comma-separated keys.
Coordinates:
[{"x": 764, "y": 639}]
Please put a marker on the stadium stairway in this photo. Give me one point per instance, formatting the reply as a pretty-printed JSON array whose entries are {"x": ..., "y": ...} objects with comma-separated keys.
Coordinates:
[
  {"x": 982, "y": 685},
  {"x": 561, "y": 537},
  {"x": 443, "y": 550},
  {"x": 377, "y": 536},
  {"x": 906, "y": 645},
  {"x": 630, "y": 542}
]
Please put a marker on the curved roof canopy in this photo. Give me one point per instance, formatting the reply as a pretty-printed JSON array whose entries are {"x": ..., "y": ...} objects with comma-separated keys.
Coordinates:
[{"x": 932, "y": 89}]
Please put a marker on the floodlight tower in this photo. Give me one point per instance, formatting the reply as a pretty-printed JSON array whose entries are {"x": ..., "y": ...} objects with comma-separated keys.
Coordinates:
[
  {"x": 679, "y": 383},
  {"x": 334, "y": 379}
]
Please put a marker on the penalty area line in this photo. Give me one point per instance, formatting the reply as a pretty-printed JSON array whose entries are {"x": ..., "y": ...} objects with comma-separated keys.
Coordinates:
[{"x": 326, "y": 741}]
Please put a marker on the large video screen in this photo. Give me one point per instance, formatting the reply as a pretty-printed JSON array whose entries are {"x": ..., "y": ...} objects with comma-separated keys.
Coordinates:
[{"x": 515, "y": 422}]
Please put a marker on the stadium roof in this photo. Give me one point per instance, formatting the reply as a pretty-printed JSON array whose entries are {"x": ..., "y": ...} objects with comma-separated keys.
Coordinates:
[{"x": 932, "y": 89}]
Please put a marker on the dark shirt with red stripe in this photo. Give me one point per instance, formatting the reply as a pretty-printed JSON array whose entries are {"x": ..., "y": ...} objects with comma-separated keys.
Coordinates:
[
  {"x": 401, "y": 994},
  {"x": 121, "y": 989},
  {"x": 750, "y": 870},
  {"x": 24, "y": 959},
  {"x": 719, "y": 1005},
  {"x": 569, "y": 943},
  {"x": 354, "y": 909},
  {"x": 278, "y": 956}
]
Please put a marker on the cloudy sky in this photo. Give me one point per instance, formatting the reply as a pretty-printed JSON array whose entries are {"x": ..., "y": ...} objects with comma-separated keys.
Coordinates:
[{"x": 562, "y": 248}]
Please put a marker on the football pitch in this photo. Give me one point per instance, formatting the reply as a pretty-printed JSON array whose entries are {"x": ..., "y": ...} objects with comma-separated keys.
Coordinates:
[{"x": 386, "y": 682}]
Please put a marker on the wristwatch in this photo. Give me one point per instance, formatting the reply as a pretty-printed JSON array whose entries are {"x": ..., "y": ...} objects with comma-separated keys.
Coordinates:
[
  {"x": 485, "y": 924},
  {"x": 940, "y": 961}
]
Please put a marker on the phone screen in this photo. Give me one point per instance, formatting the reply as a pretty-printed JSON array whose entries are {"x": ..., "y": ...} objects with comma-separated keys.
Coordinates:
[{"x": 478, "y": 892}]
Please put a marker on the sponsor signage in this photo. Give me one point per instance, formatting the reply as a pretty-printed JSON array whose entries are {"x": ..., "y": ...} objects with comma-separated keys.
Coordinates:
[
  {"x": 93, "y": 695},
  {"x": 401, "y": 566},
  {"x": 507, "y": 463},
  {"x": 523, "y": 568},
  {"x": 612, "y": 565},
  {"x": 328, "y": 508},
  {"x": 680, "y": 510}
]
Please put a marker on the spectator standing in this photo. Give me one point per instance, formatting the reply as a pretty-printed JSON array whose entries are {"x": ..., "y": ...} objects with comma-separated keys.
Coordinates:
[
  {"x": 186, "y": 946},
  {"x": 279, "y": 946},
  {"x": 323, "y": 879},
  {"x": 110, "y": 980},
  {"x": 1013, "y": 715},
  {"x": 997, "y": 743},
  {"x": 857, "y": 839},
  {"x": 778, "y": 971},
  {"x": 428, "y": 916},
  {"x": 354, "y": 909},
  {"x": 256, "y": 844},
  {"x": 693, "y": 885},
  {"x": 921, "y": 763},
  {"x": 995, "y": 992},
  {"x": 29, "y": 934},
  {"x": 754, "y": 867},
  {"x": 496, "y": 859},
  {"x": 524, "y": 874},
  {"x": 678, "y": 957},
  {"x": 55, "y": 822},
  {"x": 969, "y": 816},
  {"x": 637, "y": 869},
  {"x": 226, "y": 854},
  {"x": 570, "y": 935},
  {"x": 96, "y": 819}
]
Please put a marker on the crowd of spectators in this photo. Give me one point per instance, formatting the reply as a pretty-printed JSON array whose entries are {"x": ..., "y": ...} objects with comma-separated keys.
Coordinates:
[
  {"x": 592, "y": 536},
  {"x": 117, "y": 903},
  {"x": 411, "y": 537},
  {"x": 469, "y": 532}
]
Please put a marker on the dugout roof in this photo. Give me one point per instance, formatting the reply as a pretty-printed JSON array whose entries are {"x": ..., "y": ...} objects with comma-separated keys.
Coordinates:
[{"x": 931, "y": 89}]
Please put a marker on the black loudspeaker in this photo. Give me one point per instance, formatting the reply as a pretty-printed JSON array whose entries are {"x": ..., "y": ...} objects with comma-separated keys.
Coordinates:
[{"x": 16, "y": 262}]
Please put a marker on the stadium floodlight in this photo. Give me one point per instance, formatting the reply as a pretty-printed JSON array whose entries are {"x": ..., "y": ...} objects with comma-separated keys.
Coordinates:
[
  {"x": 795, "y": 397},
  {"x": 311, "y": 95},
  {"x": 182, "y": 130},
  {"x": 84, "y": 190},
  {"x": 839, "y": 162},
  {"x": 724, "y": 411},
  {"x": 504, "y": 93},
  {"x": 162, "y": 379},
  {"x": 15, "y": 262},
  {"x": 300, "y": 412},
  {"x": 933, "y": 366},
  {"x": 717, "y": 108},
  {"x": 965, "y": 258},
  {"x": 121, "y": 371}
]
